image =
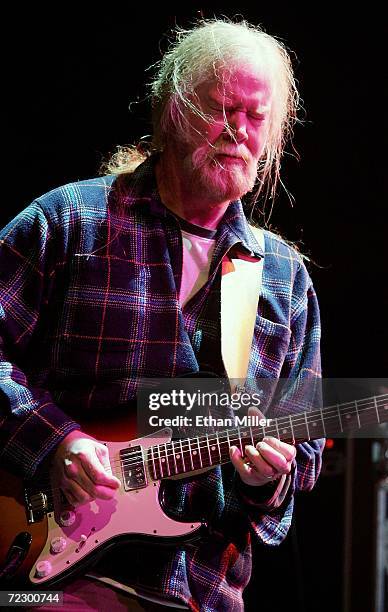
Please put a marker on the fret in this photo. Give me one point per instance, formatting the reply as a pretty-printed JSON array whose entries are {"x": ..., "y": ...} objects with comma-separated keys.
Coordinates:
[
  {"x": 252, "y": 440},
  {"x": 366, "y": 413},
  {"x": 239, "y": 437},
  {"x": 160, "y": 462},
  {"x": 219, "y": 449},
  {"x": 277, "y": 429},
  {"x": 173, "y": 456},
  {"x": 195, "y": 453},
  {"x": 323, "y": 422},
  {"x": 183, "y": 456},
  {"x": 377, "y": 410},
  {"x": 214, "y": 453},
  {"x": 166, "y": 460},
  {"x": 339, "y": 418},
  {"x": 383, "y": 409},
  {"x": 255, "y": 436},
  {"x": 208, "y": 448},
  {"x": 190, "y": 454},
  {"x": 358, "y": 416},
  {"x": 228, "y": 439},
  {"x": 315, "y": 426},
  {"x": 200, "y": 454},
  {"x": 300, "y": 428},
  {"x": 224, "y": 448},
  {"x": 245, "y": 438},
  {"x": 307, "y": 426},
  {"x": 292, "y": 430},
  {"x": 153, "y": 462},
  {"x": 330, "y": 422}
]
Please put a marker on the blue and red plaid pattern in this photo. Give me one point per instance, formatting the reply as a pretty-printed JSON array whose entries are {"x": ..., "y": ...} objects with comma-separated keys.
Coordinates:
[{"x": 89, "y": 306}]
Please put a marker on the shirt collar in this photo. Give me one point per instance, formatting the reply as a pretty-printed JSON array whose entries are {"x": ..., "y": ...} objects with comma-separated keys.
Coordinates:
[
  {"x": 140, "y": 188},
  {"x": 236, "y": 223}
]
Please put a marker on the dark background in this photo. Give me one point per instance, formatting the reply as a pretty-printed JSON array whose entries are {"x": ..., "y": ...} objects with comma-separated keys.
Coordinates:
[{"x": 71, "y": 80}]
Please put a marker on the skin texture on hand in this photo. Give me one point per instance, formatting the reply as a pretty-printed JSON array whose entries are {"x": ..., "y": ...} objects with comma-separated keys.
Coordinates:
[
  {"x": 81, "y": 468},
  {"x": 267, "y": 461}
]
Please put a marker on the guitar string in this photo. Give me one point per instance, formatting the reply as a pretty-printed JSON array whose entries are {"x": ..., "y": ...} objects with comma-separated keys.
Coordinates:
[
  {"x": 282, "y": 423},
  {"x": 222, "y": 434},
  {"x": 188, "y": 447},
  {"x": 118, "y": 464},
  {"x": 312, "y": 417}
]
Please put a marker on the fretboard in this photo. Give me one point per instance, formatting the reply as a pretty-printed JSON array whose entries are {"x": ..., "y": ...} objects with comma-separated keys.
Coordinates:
[{"x": 193, "y": 454}]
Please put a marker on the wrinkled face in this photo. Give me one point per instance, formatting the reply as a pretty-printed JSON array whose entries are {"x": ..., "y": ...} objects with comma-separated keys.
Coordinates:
[{"x": 220, "y": 157}]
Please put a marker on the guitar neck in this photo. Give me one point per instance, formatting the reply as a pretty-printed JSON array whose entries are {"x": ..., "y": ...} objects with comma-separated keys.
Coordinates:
[{"x": 194, "y": 454}]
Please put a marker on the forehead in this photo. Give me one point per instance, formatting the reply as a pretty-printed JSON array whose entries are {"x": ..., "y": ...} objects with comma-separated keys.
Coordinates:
[{"x": 245, "y": 82}]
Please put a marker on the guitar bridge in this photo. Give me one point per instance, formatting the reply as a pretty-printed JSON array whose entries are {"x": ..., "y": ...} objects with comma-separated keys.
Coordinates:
[
  {"x": 132, "y": 467},
  {"x": 36, "y": 505}
]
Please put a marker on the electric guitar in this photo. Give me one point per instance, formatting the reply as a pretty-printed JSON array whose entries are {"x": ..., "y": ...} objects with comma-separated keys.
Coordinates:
[{"x": 44, "y": 540}]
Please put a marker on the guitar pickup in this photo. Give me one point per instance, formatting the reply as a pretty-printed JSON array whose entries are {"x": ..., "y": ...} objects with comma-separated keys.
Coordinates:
[{"x": 132, "y": 468}]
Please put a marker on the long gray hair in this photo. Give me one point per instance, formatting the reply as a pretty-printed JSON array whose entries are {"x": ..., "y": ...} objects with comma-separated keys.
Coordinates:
[{"x": 196, "y": 56}]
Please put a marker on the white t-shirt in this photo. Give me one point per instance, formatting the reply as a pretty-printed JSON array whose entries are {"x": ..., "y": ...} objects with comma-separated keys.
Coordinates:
[{"x": 198, "y": 247}]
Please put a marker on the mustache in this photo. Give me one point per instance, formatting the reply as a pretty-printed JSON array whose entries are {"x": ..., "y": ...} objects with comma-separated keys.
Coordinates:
[
  {"x": 203, "y": 155},
  {"x": 240, "y": 152}
]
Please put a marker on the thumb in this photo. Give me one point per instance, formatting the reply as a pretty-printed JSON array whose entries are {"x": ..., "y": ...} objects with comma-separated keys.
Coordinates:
[{"x": 103, "y": 456}]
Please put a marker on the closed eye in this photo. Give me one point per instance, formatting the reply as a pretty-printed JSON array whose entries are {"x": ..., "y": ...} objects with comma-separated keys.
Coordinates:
[
  {"x": 257, "y": 117},
  {"x": 225, "y": 110}
]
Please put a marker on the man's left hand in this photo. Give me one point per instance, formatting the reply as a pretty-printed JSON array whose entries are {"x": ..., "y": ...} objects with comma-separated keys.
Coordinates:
[{"x": 267, "y": 461}]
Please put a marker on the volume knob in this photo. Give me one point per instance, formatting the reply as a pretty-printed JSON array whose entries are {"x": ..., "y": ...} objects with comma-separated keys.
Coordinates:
[
  {"x": 43, "y": 569},
  {"x": 57, "y": 545},
  {"x": 67, "y": 518}
]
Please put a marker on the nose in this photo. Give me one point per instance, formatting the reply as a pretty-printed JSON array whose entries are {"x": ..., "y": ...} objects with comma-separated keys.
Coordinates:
[{"x": 237, "y": 124}]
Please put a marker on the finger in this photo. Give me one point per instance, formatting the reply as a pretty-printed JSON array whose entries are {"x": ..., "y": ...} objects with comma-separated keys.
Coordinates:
[
  {"x": 109, "y": 480},
  {"x": 241, "y": 466},
  {"x": 246, "y": 472},
  {"x": 102, "y": 492},
  {"x": 79, "y": 493},
  {"x": 69, "y": 497},
  {"x": 287, "y": 450},
  {"x": 273, "y": 458},
  {"x": 263, "y": 468},
  {"x": 75, "y": 493},
  {"x": 95, "y": 472},
  {"x": 75, "y": 474}
]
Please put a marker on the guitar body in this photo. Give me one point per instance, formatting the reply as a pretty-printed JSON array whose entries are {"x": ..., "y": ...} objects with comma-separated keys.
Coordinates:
[
  {"x": 14, "y": 521},
  {"x": 67, "y": 539}
]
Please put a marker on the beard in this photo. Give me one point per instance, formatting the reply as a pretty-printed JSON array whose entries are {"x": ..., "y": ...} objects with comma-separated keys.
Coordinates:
[{"x": 218, "y": 178}]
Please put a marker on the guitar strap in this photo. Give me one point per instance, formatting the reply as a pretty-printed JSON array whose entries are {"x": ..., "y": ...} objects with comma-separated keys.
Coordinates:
[{"x": 240, "y": 291}]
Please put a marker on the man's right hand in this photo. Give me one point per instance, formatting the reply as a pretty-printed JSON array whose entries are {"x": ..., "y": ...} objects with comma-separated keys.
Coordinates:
[{"x": 81, "y": 468}]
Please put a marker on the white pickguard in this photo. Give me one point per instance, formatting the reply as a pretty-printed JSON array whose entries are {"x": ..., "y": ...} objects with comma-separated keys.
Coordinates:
[{"x": 129, "y": 512}]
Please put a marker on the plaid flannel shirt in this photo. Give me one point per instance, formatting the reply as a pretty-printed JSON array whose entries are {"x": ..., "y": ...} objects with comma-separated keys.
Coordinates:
[{"x": 89, "y": 305}]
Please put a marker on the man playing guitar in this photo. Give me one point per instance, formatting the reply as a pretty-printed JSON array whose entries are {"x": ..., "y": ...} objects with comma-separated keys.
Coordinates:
[{"x": 107, "y": 281}]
